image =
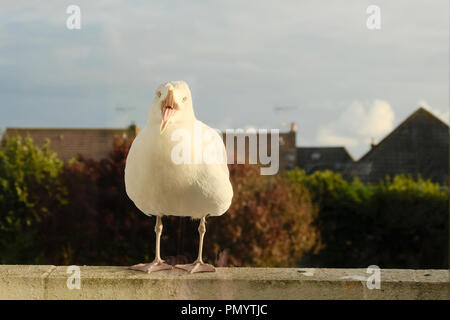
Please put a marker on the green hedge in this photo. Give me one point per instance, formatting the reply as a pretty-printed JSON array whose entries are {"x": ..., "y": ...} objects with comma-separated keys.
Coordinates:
[
  {"x": 30, "y": 188},
  {"x": 79, "y": 214},
  {"x": 270, "y": 223},
  {"x": 400, "y": 223}
]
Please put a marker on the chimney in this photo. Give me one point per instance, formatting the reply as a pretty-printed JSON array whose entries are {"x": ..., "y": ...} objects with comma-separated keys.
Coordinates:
[
  {"x": 372, "y": 143},
  {"x": 292, "y": 136},
  {"x": 293, "y": 127},
  {"x": 134, "y": 128}
]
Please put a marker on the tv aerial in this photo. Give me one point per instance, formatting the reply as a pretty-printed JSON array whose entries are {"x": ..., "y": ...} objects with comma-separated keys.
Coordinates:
[
  {"x": 284, "y": 108},
  {"x": 125, "y": 111}
]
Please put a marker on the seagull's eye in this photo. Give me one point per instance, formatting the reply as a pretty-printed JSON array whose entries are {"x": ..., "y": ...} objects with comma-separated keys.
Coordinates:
[
  {"x": 184, "y": 99},
  {"x": 158, "y": 94}
]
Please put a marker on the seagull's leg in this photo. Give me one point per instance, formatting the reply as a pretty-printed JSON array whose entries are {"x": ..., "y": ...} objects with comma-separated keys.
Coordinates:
[
  {"x": 157, "y": 264},
  {"x": 198, "y": 265}
]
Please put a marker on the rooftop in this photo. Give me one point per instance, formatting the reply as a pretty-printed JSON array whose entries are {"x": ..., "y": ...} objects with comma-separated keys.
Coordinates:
[
  {"x": 95, "y": 143},
  {"x": 323, "y": 158}
]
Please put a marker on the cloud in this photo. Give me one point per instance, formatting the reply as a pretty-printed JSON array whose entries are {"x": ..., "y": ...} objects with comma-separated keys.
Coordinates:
[
  {"x": 378, "y": 121},
  {"x": 309, "y": 54},
  {"x": 444, "y": 116},
  {"x": 328, "y": 136},
  {"x": 357, "y": 125}
]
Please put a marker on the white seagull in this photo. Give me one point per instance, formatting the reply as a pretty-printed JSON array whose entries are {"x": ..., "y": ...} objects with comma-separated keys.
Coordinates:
[{"x": 160, "y": 184}]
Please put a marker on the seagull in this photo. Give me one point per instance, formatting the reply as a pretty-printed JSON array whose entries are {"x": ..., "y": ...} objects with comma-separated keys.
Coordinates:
[{"x": 161, "y": 185}]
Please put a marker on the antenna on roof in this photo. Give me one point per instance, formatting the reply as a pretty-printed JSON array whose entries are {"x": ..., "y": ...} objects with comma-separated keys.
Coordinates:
[
  {"x": 125, "y": 111},
  {"x": 285, "y": 108}
]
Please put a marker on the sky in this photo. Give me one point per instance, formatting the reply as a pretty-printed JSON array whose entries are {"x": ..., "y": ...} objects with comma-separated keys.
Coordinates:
[{"x": 259, "y": 64}]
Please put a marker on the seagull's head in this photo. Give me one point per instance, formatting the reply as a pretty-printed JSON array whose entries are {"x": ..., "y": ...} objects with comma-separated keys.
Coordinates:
[{"x": 172, "y": 103}]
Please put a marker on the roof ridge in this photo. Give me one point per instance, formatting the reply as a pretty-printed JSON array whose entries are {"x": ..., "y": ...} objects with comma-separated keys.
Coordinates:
[{"x": 411, "y": 117}]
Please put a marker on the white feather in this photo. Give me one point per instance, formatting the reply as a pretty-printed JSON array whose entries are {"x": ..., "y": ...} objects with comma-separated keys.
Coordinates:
[{"x": 156, "y": 184}]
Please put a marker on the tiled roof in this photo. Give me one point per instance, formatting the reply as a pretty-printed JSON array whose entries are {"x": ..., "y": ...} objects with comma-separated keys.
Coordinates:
[
  {"x": 418, "y": 146},
  {"x": 69, "y": 143},
  {"x": 287, "y": 144},
  {"x": 312, "y": 159},
  {"x": 97, "y": 143}
]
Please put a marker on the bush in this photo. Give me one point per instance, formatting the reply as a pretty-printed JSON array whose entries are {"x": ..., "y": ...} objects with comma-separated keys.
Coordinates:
[
  {"x": 30, "y": 188},
  {"x": 410, "y": 223},
  {"x": 80, "y": 214},
  {"x": 101, "y": 226},
  {"x": 400, "y": 223},
  {"x": 269, "y": 223}
]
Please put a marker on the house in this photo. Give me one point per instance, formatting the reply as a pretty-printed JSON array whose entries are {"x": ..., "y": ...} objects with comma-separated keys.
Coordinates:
[
  {"x": 313, "y": 159},
  {"x": 97, "y": 143},
  {"x": 69, "y": 143},
  {"x": 287, "y": 147},
  {"x": 418, "y": 146}
]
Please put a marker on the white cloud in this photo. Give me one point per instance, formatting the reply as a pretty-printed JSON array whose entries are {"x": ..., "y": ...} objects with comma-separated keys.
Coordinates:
[
  {"x": 357, "y": 125},
  {"x": 444, "y": 116},
  {"x": 378, "y": 120}
]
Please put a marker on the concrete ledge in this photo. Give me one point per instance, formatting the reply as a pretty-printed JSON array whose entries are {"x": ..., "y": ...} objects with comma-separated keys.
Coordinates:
[{"x": 50, "y": 282}]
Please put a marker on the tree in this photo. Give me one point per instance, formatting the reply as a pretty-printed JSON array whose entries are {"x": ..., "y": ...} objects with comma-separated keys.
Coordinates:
[
  {"x": 30, "y": 187},
  {"x": 269, "y": 223},
  {"x": 101, "y": 225}
]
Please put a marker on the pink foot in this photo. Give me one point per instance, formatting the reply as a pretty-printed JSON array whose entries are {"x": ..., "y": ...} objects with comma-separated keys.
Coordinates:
[
  {"x": 151, "y": 267},
  {"x": 197, "y": 266}
]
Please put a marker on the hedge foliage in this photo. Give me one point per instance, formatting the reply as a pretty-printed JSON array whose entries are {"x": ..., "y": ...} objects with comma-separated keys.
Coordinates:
[
  {"x": 30, "y": 189},
  {"x": 269, "y": 224},
  {"x": 399, "y": 223},
  {"x": 78, "y": 213}
]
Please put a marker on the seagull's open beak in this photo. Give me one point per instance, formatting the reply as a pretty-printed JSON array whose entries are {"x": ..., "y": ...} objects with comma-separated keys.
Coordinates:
[{"x": 168, "y": 109}]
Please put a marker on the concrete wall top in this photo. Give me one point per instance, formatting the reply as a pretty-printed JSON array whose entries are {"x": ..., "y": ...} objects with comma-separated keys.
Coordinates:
[{"x": 101, "y": 282}]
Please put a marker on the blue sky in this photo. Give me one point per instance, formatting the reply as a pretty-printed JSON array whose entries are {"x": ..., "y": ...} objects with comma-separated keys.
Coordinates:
[{"x": 344, "y": 84}]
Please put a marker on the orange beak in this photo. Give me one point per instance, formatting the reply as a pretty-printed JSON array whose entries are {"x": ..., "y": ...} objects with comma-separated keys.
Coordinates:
[{"x": 168, "y": 109}]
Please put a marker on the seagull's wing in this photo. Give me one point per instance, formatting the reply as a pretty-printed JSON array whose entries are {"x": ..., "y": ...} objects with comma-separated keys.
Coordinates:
[
  {"x": 214, "y": 178},
  {"x": 215, "y": 146}
]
